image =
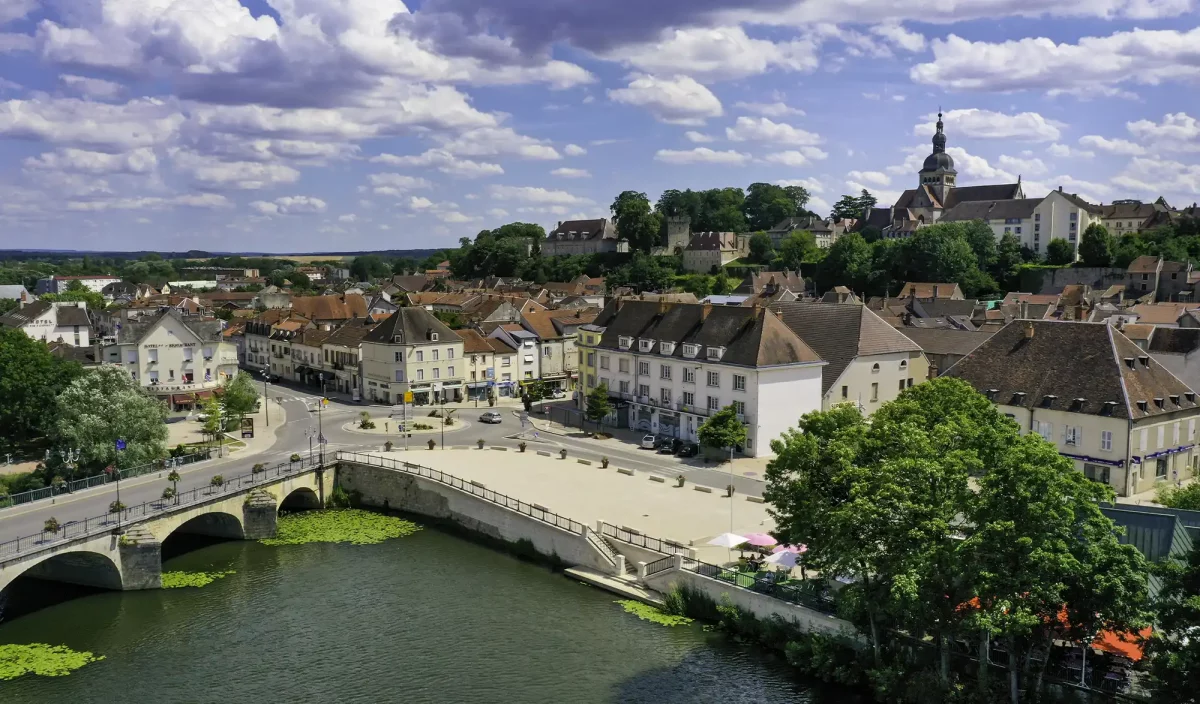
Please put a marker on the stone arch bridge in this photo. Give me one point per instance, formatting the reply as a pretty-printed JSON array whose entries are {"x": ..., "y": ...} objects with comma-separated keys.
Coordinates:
[{"x": 130, "y": 556}]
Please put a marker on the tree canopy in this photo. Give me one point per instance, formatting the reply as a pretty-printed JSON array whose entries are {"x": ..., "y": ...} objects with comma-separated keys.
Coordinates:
[
  {"x": 1059, "y": 252},
  {"x": 30, "y": 379},
  {"x": 636, "y": 221},
  {"x": 106, "y": 405},
  {"x": 722, "y": 430},
  {"x": 853, "y": 207},
  {"x": 762, "y": 249},
  {"x": 1096, "y": 246}
]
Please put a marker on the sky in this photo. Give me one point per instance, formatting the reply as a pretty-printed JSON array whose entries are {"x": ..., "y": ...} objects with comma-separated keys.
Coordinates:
[{"x": 341, "y": 125}]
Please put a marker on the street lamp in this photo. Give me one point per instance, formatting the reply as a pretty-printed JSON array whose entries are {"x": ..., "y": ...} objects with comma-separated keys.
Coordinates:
[
  {"x": 310, "y": 432},
  {"x": 266, "y": 401},
  {"x": 320, "y": 406}
]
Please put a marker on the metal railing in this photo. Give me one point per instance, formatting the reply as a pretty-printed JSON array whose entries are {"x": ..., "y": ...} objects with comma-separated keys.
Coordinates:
[
  {"x": 602, "y": 545},
  {"x": 96, "y": 525},
  {"x": 661, "y": 565},
  {"x": 784, "y": 592},
  {"x": 32, "y": 495},
  {"x": 666, "y": 547},
  {"x": 473, "y": 488}
]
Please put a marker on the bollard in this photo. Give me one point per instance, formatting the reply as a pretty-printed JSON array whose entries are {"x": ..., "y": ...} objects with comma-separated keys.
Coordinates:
[
  {"x": 705, "y": 489},
  {"x": 658, "y": 479},
  {"x": 626, "y": 472}
]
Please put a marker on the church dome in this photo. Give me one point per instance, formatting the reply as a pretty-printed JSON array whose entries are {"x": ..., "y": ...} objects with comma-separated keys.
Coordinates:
[{"x": 938, "y": 161}]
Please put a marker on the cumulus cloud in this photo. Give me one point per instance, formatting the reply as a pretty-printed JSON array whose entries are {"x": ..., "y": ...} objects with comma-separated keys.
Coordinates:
[
  {"x": 775, "y": 109},
  {"x": 198, "y": 200},
  {"x": 987, "y": 124},
  {"x": 390, "y": 184},
  {"x": 698, "y": 137},
  {"x": 145, "y": 122},
  {"x": 290, "y": 205},
  {"x": 679, "y": 100},
  {"x": 211, "y": 172},
  {"x": 1025, "y": 165},
  {"x": 1112, "y": 146},
  {"x": 574, "y": 150},
  {"x": 701, "y": 155},
  {"x": 348, "y": 217},
  {"x": 795, "y": 157},
  {"x": 499, "y": 141},
  {"x": 875, "y": 178},
  {"x": 571, "y": 173},
  {"x": 138, "y": 161},
  {"x": 749, "y": 129},
  {"x": 715, "y": 53},
  {"x": 900, "y": 37},
  {"x": 443, "y": 161},
  {"x": 92, "y": 87},
  {"x": 1065, "y": 150},
  {"x": 1147, "y": 178},
  {"x": 530, "y": 194},
  {"x": 1177, "y": 131}
]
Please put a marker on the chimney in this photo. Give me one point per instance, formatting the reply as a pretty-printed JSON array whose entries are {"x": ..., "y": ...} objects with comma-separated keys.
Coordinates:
[
  {"x": 912, "y": 291},
  {"x": 933, "y": 371},
  {"x": 1028, "y": 329},
  {"x": 1025, "y": 310},
  {"x": 705, "y": 310},
  {"x": 1060, "y": 189}
]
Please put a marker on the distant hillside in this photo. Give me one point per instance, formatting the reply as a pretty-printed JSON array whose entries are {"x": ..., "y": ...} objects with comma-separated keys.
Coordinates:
[{"x": 23, "y": 254}]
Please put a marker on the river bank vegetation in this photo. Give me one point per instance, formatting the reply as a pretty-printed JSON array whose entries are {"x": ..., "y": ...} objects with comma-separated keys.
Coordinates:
[
  {"x": 177, "y": 580},
  {"x": 41, "y": 659},
  {"x": 353, "y": 526}
]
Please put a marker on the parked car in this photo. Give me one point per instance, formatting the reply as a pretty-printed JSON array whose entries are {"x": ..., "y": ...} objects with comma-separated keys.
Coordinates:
[
  {"x": 690, "y": 449},
  {"x": 648, "y": 442},
  {"x": 666, "y": 445},
  {"x": 558, "y": 393},
  {"x": 490, "y": 417}
]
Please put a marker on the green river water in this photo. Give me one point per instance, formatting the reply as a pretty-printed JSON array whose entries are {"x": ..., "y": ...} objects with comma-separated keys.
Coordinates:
[{"x": 426, "y": 618}]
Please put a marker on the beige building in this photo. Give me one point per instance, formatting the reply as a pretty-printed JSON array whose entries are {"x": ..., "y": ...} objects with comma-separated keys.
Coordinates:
[
  {"x": 65, "y": 322},
  {"x": 583, "y": 237},
  {"x": 557, "y": 332},
  {"x": 706, "y": 250},
  {"x": 413, "y": 351},
  {"x": 179, "y": 361},
  {"x": 1113, "y": 409}
]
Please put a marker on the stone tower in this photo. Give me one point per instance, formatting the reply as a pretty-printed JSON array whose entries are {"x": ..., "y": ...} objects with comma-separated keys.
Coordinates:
[
  {"x": 679, "y": 233},
  {"x": 938, "y": 171}
]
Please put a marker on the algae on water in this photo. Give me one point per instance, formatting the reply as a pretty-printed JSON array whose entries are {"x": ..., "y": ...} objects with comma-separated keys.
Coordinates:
[
  {"x": 175, "y": 580},
  {"x": 353, "y": 526},
  {"x": 649, "y": 613},
  {"x": 41, "y": 659}
]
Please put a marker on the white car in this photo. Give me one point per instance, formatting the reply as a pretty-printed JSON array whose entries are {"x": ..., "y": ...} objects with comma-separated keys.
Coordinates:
[
  {"x": 648, "y": 442},
  {"x": 558, "y": 393}
]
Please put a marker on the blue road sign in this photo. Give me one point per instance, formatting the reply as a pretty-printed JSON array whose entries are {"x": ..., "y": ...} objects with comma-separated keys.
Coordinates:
[{"x": 120, "y": 444}]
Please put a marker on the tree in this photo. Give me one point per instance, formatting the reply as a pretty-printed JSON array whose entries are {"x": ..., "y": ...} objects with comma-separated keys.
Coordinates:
[
  {"x": 1096, "y": 246},
  {"x": 982, "y": 240},
  {"x": 723, "y": 430},
  {"x": 1007, "y": 268},
  {"x": 762, "y": 249},
  {"x": 1187, "y": 497},
  {"x": 939, "y": 253},
  {"x": 767, "y": 204},
  {"x": 1059, "y": 252},
  {"x": 598, "y": 405},
  {"x": 699, "y": 285},
  {"x": 853, "y": 207},
  {"x": 217, "y": 481},
  {"x": 847, "y": 263},
  {"x": 299, "y": 279},
  {"x": 7, "y": 304},
  {"x": 214, "y": 419},
  {"x": 797, "y": 248},
  {"x": 369, "y": 266},
  {"x": 106, "y": 405},
  {"x": 636, "y": 222},
  {"x": 1174, "y": 649},
  {"x": 642, "y": 273},
  {"x": 30, "y": 379},
  {"x": 93, "y": 300},
  {"x": 173, "y": 477},
  {"x": 799, "y": 196},
  {"x": 722, "y": 284},
  {"x": 239, "y": 396},
  {"x": 51, "y": 526}
]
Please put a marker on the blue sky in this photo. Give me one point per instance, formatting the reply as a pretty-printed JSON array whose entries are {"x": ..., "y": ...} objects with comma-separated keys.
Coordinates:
[{"x": 321, "y": 125}]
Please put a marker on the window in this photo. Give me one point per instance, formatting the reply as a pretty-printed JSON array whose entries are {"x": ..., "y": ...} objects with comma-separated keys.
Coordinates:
[
  {"x": 664, "y": 396},
  {"x": 591, "y": 380},
  {"x": 437, "y": 373},
  {"x": 170, "y": 375},
  {"x": 1175, "y": 435},
  {"x": 689, "y": 398},
  {"x": 624, "y": 387},
  {"x": 904, "y": 364},
  {"x": 153, "y": 353},
  {"x": 435, "y": 355},
  {"x": 591, "y": 357},
  {"x": 690, "y": 351},
  {"x": 399, "y": 356},
  {"x": 739, "y": 382},
  {"x": 1162, "y": 435},
  {"x": 420, "y": 356},
  {"x": 643, "y": 391},
  {"x": 420, "y": 375},
  {"x": 643, "y": 368},
  {"x": 1160, "y": 468},
  {"x": 689, "y": 375},
  {"x": 507, "y": 361},
  {"x": 1046, "y": 430},
  {"x": 131, "y": 356},
  {"x": 845, "y": 392},
  {"x": 1018, "y": 230},
  {"x": 1037, "y": 217},
  {"x": 1074, "y": 217},
  {"x": 1037, "y": 229},
  {"x": 1071, "y": 435},
  {"x": 546, "y": 352},
  {"x": 715, "y": 352},
  {"x": 1191, "y": 429},
  {"x": 1106, "y": 440},
  {"x": 1008, "y": 230},
  {"x": 1096, "y": 472},
  {"x": 623, "y": 366},
  {"x": 153, "y": 376},
  {"x": 664, "y": 371},
  {"x": 902, "y": 384},
  {"x": 714, "y": 379},
  {"x": 450, "y": 372},
  {"x": 740, "y": 407},
  {"x": 1145, "y": 440},
  {"x": 645, "y": 345},
  {"x": 666, "y": 347},
  {"x": 400, "y": 375},
  {"x": 875, "y": 390},
  {"x": 604, "y": 361},
  {"x": 187, "y": 354},
  {"x": 875, "y": 368},
  {"x": 622, "y": 342},
  {"x": 714, "y": 403}
]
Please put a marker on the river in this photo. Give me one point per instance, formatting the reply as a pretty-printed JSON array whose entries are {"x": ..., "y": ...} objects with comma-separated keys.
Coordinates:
[{"x": 427, "y": 618}]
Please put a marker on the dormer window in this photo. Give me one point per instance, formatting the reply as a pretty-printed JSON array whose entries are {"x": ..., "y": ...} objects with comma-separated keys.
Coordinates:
[
  {"x": 715, "y": 353},
  {"x": 1048, "y": 400},
  {"x": 991, "y": 393},
  {"x": 1158, "y": 401},
  {"x": 624, "y": 342},
  {"x": 1190, "y": 396},
  {"x": 1145, "y": 360},
  {"x": 1175, "y": 399},
  {"x": 666, "y": 347},
  {"x": 1129, "y": 362},
  {"x": 1108, "y": 408},
  {"x": 1142, "y": 406},
  {"x": 690, "y": 351},
  {"x": 875, "y": 367},
  {"x": 646, "y": 345}
]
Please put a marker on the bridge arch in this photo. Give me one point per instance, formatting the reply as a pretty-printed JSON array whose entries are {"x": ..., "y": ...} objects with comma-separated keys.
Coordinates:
[
  {"x": 300, "y": 499},
  {"x": 83, "y": 567},
  {"x": 216, "y": 524}
]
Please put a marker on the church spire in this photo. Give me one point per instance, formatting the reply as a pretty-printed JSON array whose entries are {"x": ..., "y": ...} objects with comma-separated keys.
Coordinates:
[{"x": 939, "y": 137}]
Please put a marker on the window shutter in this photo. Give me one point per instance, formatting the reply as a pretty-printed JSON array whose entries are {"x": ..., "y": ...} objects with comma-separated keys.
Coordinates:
[{"x": 1079, "y": 436}]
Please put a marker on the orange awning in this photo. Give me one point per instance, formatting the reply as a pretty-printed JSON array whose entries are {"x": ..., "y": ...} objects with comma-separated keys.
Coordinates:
[{"x": 1127, "y": 644}]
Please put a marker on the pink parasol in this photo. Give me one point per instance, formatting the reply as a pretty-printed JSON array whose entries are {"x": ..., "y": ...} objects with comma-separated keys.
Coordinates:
[
  {"x": 798, "y": 549},
  {"x": 761, "y": 540}
]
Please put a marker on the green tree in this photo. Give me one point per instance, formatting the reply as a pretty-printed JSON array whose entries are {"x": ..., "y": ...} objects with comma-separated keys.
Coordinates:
[
  {"x": 1096, "y": 246},
  {"x": 762, "y": 249},
  {"x": 7, "y": 304},
  {"x": 939, "y": 253},
  {"x": 30, "y": 379},
  {"x": 1059, "y": 252},
  {"x": 636, "y": 222},
  {"x": 1007, "y": 268},
  {"x": 239, "y": 396},
  {"x": 214, "y": 421},
  {"x": 598, "y": 406},
  {"x": 106, "y": 405},
  {"x": 1174, "y": 648},
  {"x": 642, "y": 273},
  {"x": 723, "y": 430},
  {"x": 1186, "y": 497},
  {"x": 847, "y": 263},
  {"x": 368, "y": 267},
  {"x": 699, "y": 285},
  {"x": 767, "y": 204},
  {"x": 799, "y": 196},
  {"x": 299, "y": 279},
  {"x": 853, "y": 207},
  {"x": 798, "y": 248},
  {"x": 93, "y": 300},
  {"x": 982, "y": 240},
  {"x": 722, "y": 284}
]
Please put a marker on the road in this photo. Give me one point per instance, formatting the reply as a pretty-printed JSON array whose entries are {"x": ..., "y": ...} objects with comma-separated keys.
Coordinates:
[{"x": 292, "y": 436}]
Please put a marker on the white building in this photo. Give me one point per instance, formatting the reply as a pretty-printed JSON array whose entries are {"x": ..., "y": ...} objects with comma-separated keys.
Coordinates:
[
  {"x": 668, "y": 367},
  {"x": 65, "y": 322},
  {"x": 527, "y": 362},
  {"x": 1112, "y": 408},
  {"x": 181, "y": 362},
  {"x": 1034, "y": 221},
  {"x": 59, "y": 284},
  {"x": 413, "y": 351}
]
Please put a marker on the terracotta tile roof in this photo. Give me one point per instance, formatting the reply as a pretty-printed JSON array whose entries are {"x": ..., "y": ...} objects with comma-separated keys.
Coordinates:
[
  {"x": 1161, "y": 313},
  {"x": 1145, "y": 264},
  {"x": 340, "y": 307},
  {"x": 1137, "y": 331},
  {"x": 473, "y": 342},
  {"x": 551, "y": 324},
  {"x": 929, "y": 290}
]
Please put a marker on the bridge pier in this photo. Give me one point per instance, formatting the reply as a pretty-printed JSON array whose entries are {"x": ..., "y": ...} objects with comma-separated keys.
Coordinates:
[
  {"x": 141, "y": 560},
  {"x": 259, "y": 515}
]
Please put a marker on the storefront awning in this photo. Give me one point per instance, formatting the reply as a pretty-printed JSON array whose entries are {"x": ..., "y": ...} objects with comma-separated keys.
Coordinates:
[
  {"x": 201, "y": 395},
  {"x": 181, "y": 399}
]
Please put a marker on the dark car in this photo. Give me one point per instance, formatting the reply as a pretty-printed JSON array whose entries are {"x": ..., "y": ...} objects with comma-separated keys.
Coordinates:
[
  {"x": 670, "y": 447},
  {"x": 690, "y": 449}
]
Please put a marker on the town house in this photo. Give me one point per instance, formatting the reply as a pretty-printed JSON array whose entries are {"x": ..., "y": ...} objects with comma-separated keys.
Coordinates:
[{"x": 412, "y": 350}]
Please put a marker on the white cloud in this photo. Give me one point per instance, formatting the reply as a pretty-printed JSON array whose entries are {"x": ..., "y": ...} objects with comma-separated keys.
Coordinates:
[
  {"x": 443, "y": 161},
  {"x": 749, "y": 129},
  {"x": 900, "y": 37},
  {"x": 701, "y": 155},
  {"x": 1025, "y": 165},
  {"x": 716, "y": 53},
  {"x": 290, "y": 205},
  {"x": 203, "y": 200},
  {"x": 574, "y": 150},
  {"x": 1112, "y": 146},
  {"x": 1177, "y": 131},
  {"x": 92, "y": 87},
  {"x": 776, "y": 109},
  {"x": 571, "y": 173},
  {"x": 419, "y": 203},
  {"x": 875, "y": 178},
  {"x": 499, "y": 141},
  {"x": 138, "y": 161},
  {"x": 1147, "y": 57},
  {"x": 395, "y": 185},
  {"x": 1064, "y": 150},
  {"x": 793, "y": 157},
  {"x": 530, "y": 194},
  {"x": 1147, "y": 178},
  {"x": 211, "y": 172},
  {"x": 698, "y": 137},
  {"x": 456, "y": 217},
  {"x": 145, "y": 122},
  {"x": 498, "y": 212},
  {"x": 348, "y": 217},
  {"x": 812, "y": 185},
  {"x": 986, "y": 124},
  {"x": 679, "y": 100}
]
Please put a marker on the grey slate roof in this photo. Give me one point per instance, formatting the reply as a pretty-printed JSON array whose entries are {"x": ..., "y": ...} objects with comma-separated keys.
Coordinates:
[
  {"x": 19, "y": 317},
  {"x": 412, "y": 326},
  {"x": 752, "y": 337},
  {"x": 991, "y": 210},
  {"x": 1174, "y": 340},
  {"x": 1095, "y": 370},
  {"x": 946, "y": 340},
  {"x": 999, "y": 191},
  {"x": 840, "y": 332},
  {"x": 133, "y": 331}
]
